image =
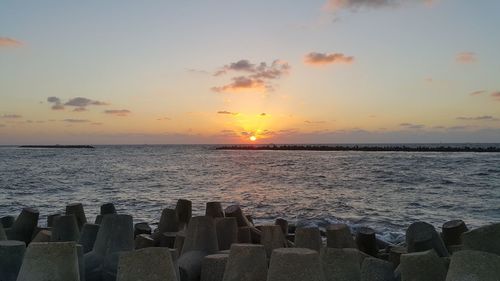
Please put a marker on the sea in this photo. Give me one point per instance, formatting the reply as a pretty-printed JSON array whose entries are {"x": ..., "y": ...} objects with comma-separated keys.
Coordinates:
[{"x": 386, "y": 191}]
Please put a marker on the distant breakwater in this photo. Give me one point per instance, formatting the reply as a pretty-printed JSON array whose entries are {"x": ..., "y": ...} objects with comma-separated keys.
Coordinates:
[
  {"x": 378, "y": 148},
  {"x": 56, "y": 146}
]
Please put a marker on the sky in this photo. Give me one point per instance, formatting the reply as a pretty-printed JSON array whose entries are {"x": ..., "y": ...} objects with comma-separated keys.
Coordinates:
[{"x": 223, "y": 71}]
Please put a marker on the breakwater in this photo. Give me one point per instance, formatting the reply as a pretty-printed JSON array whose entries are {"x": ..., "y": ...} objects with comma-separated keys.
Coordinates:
[
  {"x": 369, "y": 148},
  {"x": 226, "y": 245}
]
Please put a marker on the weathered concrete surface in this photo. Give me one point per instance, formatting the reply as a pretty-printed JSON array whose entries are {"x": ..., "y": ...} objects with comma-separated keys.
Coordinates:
[
  {"x": 366, "y": 241},
  {"x": 88, "y": 236},
  {"x": 144, "y": 241},
  {"x": 339, "y": 236},
  {"x": 43, "y": 236},
  {"x": 422, "y": 266},
  {"x": 272, "y": 237},
  {"x": 81, "y": 261},
  {"x": 3, "y": 236},
  {"x": 190, "y": 265},
  {"x": 54, "y": 261},
  {"x": 11, "y": 258},
  {"x": 421, "y": 236},
  {"x": 7, "y": 221},
  {"x": 374, "y": 269},
  {"x": 65, "y": 229},
  {"x": 246, "y": 262},
  {"x": 341, "y": 264},
  {"x": 295, "y": 264},
  {"x": 227, "y": 232},
  {"x": 149, "y": 264},
  {"x": 77, "y": 210},
  {"x": 308, "y": 237},
  {"x": 470, "y": 265},
  {"x": 24, "y": 226},
  {"x": 214, "y": 210},
  {"x": 201, "y": 236},
  {"x": 183, "y": 208},
  {"x": 484, "y": 239},
  {"x": 213, "y": 266},
  {"x": 452, "y": 232}
]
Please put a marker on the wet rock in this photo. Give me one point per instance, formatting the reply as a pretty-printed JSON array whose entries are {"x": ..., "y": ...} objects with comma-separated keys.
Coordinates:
[
  {"x": 283, "y": 224},
  {"x": 3, "y": 236},
  {"x": 295, "y": 264}
]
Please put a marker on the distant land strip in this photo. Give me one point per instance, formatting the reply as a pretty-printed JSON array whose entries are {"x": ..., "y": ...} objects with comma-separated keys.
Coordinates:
[
  {"x": 56, "y": 146},
  {"x": 398, "y": 148}
]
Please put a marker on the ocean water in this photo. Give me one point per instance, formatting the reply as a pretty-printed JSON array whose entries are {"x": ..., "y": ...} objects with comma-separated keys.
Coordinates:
[{"x": 384, "y": 190}]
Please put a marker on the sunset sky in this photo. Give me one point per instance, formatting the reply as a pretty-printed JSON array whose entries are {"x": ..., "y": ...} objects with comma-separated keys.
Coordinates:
[{"x": 221, "y": 71}]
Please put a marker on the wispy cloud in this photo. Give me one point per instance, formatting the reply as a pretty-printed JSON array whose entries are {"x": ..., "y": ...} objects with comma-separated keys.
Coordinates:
[
  {"x": 496, "y": 95},
  {"x": 412, "y": 126},
  {"x": 478, "y": 118},
  {"x": 164, "y": 119},
  {"x": 314, "y": 58},
  {"x": 335, "y": 5},
  {"x": 9, "y": 42},
  {"x": 76, "y": 120},
  {"x": 118, "y": 112},
  {"x": 466, "y": 57},
  {"x": 227, "y": 112},
  {"x": 477, "y": 93},
  {"x": 80, "y": 104},
  {"x": 257, "y": 77},
  {"x": 314, "y": 122},
  {"x": 11, "y": 116}
]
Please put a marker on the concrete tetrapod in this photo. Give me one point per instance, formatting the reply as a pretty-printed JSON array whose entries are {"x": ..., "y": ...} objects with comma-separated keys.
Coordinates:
[
  {"x": 484, "y": 238},
  {"x": 81, "y": 261},
  {"x": 11, "y": 258},
  {"x": 116, "y": 234},
  {"x": 183, "y": 208},
  {"x": 201, "y": 235},
  {"x": 421, "y": 236},
  {"x": 77, "y": 210},
  {"x": 43, "y": 236},
  {"x": 366, "y": 241},
  {"x": 3, "y": 236},
  {"x": 246, "y": 262},
  {"x": 54, "y": 261},
  {"x": 295, "y": 264},
  {"x": 148, "y": 264},
  {"x": 227, "y": 232},
  {"x": 341, "y": 264},
  {"x": 469, "y": 265},
  {"x": 65, "y": 229},
  {"x": 272, "y": 237},
  {"x": 214, "y": 210},
  {"x": 190, "y": 265},
  {"x": 213, "y": 266},
  {"x": 168, "y": 223},
  {"x": 422, "y": 266},
  {"x": 339, "y": 236},
  {"x": 308, "y": 237},
  {"x": 373, "y": 269},
  {"x": 7, "y": 221},
  {"x": 452, "y": 232},
  {"x": 24, "y": 226},
  {"x": 88, "y": 236}
]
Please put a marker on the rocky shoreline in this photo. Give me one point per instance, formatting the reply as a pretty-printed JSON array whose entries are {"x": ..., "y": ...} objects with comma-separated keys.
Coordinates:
[{"x": 225, "y": 245}]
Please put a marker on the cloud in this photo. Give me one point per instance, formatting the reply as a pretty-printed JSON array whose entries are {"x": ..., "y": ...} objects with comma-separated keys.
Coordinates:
[
  {"x": 11, "y": 116},
  {"x": 96, "y": 123},
  {"x": 9, "y": 42},
  {"x": 227, "y": 112},
  {"x": 83, "y": 102},
  {"x": 243, "y": 84},
  {"x": 314, "y": 122},
  {"x": 258, "y": 77},
  {"x": 477, "y": 93},
  {"x": 412, "y": 126},
  {"x": 335, "y": 5},
  {"x": 314, "y": 58},
  {"x": 76, "y": 120},
  {"x": 478, "y": 118},
  {"x": 118, "y": 112},
  {"x": 80, "y": 109},
  {"x": 164, "y": 119},
  {"x": 263, "y": 114},
  {"x": 197, "y": 71},
  {"x": 466, "y": 57},
  {"x": 496, "y": 95}
]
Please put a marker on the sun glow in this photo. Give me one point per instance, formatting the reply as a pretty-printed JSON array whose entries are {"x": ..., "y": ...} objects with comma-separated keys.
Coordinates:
[{"x": 253, "y": 138}]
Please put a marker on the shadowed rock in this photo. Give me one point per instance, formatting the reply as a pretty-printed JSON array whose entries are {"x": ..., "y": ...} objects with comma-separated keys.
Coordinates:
[
  {"x": 452, "y": 232},
  {"x": 65, "y": 229},
  {"x": 283, "y": 224},
  {"x": 183, "y": 208},
  {"x": 246, "y": 262},
  {"x": 421, "y": 236},
  {"x": 143, "y": 241},
  {"x": 308, "y": 237},
  {"x": 149, "y": 264},
  {"x": 51, "y": 218},
  {"x": 43, "y": 236},
  {"x": 115, "y": 235},
  {"x": 214, "y": 210},
  {"x": 11, "y": 258},
  {"x": 272, "y": 238},
  {"x": 77, "y": 210},
  {"x": 88, "y": 236},
  {"x": 339, "y": 236},
  {"x": 474, "y": 265},
  {"x": 201, "y": 236},
  {"x": 7, "y": 221},
  {"x": 373, "y": 269},
  {"x": 484, "y": 239},
  {"x": 141, "y": 228},
  {"x": 55, "y": 261},
  {"x": 366, "y": 241},
  {"x": 295, "y": 264},
  {"x": 227, "y": 232},
  {"x": 341, "y": 264},
  {"x": 213, "y": 266},
  {"x": 422, "y": 266},
  {"x": 24, "y": 226},
  {"x": 244, "y": 234}
]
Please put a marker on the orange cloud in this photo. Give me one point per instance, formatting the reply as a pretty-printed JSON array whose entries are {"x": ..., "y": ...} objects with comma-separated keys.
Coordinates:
[
  {"x": 466, "y": 57},
  {"x": 227, "y": 112},
  {"x": 243, "y": 84},
  {"x": 9, "y": 42},
  {"x": 324, "y": 58},
  {"x": 496, "y": 95}
]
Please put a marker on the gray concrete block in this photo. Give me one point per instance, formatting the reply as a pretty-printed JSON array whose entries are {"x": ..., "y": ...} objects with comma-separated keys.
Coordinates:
[
  {"x": 11, "y": 258},
  {"x": 246, "y": 262},
  {"x": 149, "y": 264},
  {"x": 295, "y": 264}
]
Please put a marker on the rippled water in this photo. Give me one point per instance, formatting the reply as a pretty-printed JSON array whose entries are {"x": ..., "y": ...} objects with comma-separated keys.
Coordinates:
[{"x": 383, "y": 190}]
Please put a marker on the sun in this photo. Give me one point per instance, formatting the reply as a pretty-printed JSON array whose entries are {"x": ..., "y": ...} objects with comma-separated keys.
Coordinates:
[{"x": 253, "y": 138}]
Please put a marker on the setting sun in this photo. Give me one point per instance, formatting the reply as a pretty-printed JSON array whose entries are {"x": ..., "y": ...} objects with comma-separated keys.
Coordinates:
[{"x": 253, "y": 138}]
